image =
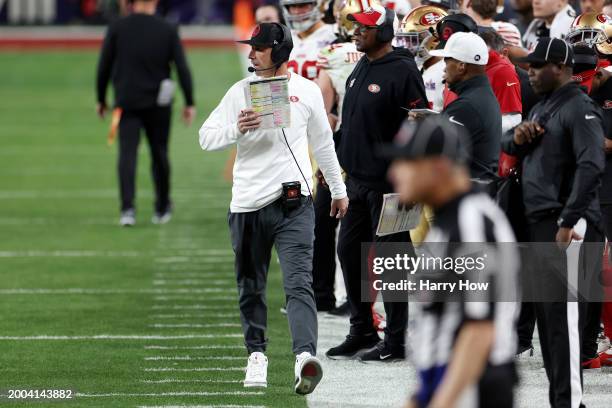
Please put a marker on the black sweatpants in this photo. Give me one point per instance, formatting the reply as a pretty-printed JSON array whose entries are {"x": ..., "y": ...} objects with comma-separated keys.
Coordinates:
[
  {"x": 324, "y": 259},
  {"x": 561, "y": 324},
  {"x": 359, "y": 225},
  {"x": 156, "y": 123}
]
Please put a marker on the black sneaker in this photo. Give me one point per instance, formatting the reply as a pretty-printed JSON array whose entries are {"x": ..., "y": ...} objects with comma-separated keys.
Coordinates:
[
  {"x": 342, "y": 310},
  {"x": 352, "y": 345},
  {"x": 524, "y": 351},
  {"x": 383, "y": 353}
]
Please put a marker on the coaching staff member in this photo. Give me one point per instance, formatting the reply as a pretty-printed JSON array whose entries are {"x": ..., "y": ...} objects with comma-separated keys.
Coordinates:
[
  {"x": 476, "y": 108},
  {"x": 137, "y": 55},
  {"x": 561, "y": 148},
  {"x": 382, "y": 87},
  {"x": 462, "y": 346},
  {"x": 259, "y": 215}
]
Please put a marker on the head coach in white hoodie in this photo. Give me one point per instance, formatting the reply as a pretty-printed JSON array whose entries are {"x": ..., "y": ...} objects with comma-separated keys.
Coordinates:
[{"x": 258, "y": 218}]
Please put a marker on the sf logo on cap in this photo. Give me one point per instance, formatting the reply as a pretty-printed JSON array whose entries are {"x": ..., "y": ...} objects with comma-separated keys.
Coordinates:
[
  {"x": 447, "y": 32},
  {"x": 256, "y": 31}
]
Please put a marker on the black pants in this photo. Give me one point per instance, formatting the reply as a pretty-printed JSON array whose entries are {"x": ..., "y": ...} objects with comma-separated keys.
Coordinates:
[
  {"x": 324, "y": 259},
  {"x": 561, "y": 324},
  {"x": 359, "y": 225},
  {"x": 526, "y": 325},
  {"x": 156, "y": 124}
]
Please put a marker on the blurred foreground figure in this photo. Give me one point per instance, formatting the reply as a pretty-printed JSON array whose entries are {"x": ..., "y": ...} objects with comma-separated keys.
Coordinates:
[{"x": 137, "y": 53}]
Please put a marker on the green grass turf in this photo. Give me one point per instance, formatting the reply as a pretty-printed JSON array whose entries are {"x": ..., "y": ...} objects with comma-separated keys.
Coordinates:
[{"x": 58, "y": 193}]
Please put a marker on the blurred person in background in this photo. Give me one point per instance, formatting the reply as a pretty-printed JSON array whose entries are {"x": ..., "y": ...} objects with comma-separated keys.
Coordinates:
[
  {"x": 310, "y": 34},
  {"x": 552, "y": 18},
  {"x": 137, "y": 54},
  {"x": 607, "y": 8},
  {"x": 269, "y": 13},
  {"x": 522, "y": 14},
  {"x": 591, "y": 6},
  {"x": 483, "y": 12}
]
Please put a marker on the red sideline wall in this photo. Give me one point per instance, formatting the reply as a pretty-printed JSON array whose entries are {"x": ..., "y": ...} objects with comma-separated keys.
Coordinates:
[{"x": 42, "y": 38}]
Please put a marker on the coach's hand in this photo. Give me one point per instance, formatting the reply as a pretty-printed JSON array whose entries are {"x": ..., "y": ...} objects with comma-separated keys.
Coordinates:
[
  {"x": 339, "y": 207},
  {"x": 248, "y": 119},
  {"x": 527, "y": 132},
  {"x": 564, "y": 237},
  {"x": 101, "y": 110}
]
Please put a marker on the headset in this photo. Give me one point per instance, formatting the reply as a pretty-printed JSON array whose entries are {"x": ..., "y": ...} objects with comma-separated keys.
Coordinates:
[
  {"x": 386, "y": 32},
  {"x": 281, "y": 49}
]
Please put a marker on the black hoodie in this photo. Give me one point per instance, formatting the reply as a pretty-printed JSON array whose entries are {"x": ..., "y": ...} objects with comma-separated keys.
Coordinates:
[{"x": 378, "y": 94}]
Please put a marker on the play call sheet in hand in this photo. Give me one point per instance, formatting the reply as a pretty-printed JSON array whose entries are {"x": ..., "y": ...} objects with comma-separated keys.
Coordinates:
[{"x": 270, "y": 98}]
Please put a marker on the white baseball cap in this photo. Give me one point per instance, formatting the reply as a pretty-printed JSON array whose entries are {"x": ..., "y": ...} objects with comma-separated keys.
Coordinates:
[{"x": 464, "y": 47}]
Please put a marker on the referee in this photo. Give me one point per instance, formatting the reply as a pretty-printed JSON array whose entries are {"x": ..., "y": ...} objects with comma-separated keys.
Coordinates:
[
  {"x": 463, "y": 346},
  {"x": 271, "y": 203},
  {"x": 137, "y": 54}
]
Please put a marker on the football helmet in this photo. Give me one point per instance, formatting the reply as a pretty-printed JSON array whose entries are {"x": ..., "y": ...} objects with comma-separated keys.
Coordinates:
[
  {"x": 302, "y": 22},
  {"x": 417, "y": 26},
  {"x": 588, "y": 28},
  {"x": 605, "y": 47},
  {"x": 342, "y": 8}
]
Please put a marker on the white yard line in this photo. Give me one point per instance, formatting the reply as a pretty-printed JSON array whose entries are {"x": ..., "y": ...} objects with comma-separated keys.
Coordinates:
[
  {"x": 163, "y": 369},
  {"x": 207, "y": 347},
  {"x": 171, "y": 394},
  {"x": 197, "y": 298},
  {"x": 193, "y": 326},
  {"x": 203, "y": 406},
  {"x": 192, "y": 307},
  {"x": 87, "y": 291},
  {"x": 193, "y": 282},
  {"x": 191, "y": 358},
  {"x": 178, "y": 381},
  {"x": 123, "y": 337},
  {"x": 186, "y": 256},
  {"x": 195, "y": 316}
]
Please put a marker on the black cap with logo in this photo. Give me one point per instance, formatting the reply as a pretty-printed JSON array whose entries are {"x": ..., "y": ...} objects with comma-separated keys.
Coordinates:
[
  {"x": 550, "y": 50},
  {"x": 265, "y": 35},
  {"x": 433, "y": 136}
]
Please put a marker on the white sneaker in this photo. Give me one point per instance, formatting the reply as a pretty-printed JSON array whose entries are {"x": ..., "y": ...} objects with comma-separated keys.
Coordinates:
[
  {"x": 603, "y": 344},
  {"x": 308, "y": 373},
  {"x": 128, "y": 218},
  {"x": 257, "y": 370},
  {"x": 161, "y": 218}
]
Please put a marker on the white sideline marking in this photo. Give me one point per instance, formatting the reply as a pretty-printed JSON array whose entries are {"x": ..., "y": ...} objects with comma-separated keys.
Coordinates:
[
  {"x": 212, "y": 257},
  {"x": 176, "y": 380},
  {"x": 203, "y": 406},
  {"x": 208, "y": 347},
  {"x": 192, "y": 326},
  {"x": 196, "y": 316},
  {"x": 160, "y": 369},
  {"x": 207, "y": 259},
  {"x": 85, "y": 291},
  {"x": 192, "y": 307},
  {"x": 198, "y": 298},
  {"x": 183, "y": 275},
  {"x": 192, "y": 282},
  {"x": 122, "y": 337},
  {"x": 170, "y": 394},
  {"x": 191, "y": 358}
]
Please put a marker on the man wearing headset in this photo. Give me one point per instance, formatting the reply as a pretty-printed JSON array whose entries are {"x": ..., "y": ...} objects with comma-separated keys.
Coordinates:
[
  {"x": 260, "y": 215},
  {"x": 384, "y": 85}
]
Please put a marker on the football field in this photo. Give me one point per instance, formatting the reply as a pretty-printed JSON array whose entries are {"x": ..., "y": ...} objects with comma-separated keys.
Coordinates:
[{"x": 144, "y": 316}]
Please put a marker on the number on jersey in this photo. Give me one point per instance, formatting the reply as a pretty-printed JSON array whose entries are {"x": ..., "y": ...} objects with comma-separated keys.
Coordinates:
[{"x": 309, "y": 69}]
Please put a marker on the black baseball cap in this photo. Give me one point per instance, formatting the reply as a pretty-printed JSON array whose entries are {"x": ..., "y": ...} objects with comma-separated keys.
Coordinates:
[
  {"x": 454, "y": 23},
  {"x": 433, "y": 136},
  {"x": 265, "y": 35},
  {"x": 550, "y": 50}
]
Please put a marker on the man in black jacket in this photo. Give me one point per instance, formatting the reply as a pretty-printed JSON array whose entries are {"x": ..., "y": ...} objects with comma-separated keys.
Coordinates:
[
  {"x": 476, "y": 109},
  {"x": 561, "y": 147},
  {"x": 383, "y": 86},
  {"x": 137, "y": 54}
]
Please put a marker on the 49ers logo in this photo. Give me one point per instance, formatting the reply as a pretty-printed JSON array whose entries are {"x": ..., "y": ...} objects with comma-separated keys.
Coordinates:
[
  {"x": 447, "y": 32},
  {"x": 374, "y": 88},
  {"x": 256, "y": 31},
  {"x": 602, "y": 18},
  {"x": 430, "y": 18},
  {"x": 294, "y": 98},
  {"x": 607, "y": 104}
]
